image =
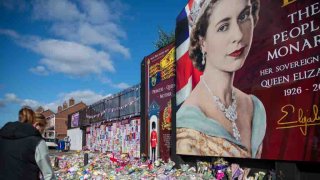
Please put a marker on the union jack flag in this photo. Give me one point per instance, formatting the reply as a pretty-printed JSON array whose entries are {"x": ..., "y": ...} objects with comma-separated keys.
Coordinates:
[{"x": 187, "y": 76}]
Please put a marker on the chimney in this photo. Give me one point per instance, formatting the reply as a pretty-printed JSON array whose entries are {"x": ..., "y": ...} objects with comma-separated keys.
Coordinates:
[
  {"x": 71, "y": 102},
  {"x": 65, "y": 105},
  {"x": 40, "y": 109},
  {"x": 59, "y": 109}
]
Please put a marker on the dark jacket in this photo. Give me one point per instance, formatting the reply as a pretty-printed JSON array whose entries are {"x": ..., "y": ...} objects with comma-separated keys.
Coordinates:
[{"x": 18, "y": 142}]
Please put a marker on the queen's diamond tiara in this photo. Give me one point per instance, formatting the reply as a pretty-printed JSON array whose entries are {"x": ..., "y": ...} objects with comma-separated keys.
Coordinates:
[{"x": 198, "y": 8}]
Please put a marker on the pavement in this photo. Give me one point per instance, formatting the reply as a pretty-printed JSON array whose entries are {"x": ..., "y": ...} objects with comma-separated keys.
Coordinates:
[{"x": 54, "y": 152}]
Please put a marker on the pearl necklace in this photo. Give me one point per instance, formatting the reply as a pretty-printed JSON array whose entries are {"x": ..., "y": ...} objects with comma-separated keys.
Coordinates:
[{"x": 230, "y": 113}]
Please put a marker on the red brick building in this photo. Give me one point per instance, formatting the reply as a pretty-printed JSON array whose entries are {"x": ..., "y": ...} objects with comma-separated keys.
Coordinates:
[
  {"x": 46, "y": 113},
  {"x": 49, "y": 132},
  {"x": 57, "y": 122},
  {"x": 61, "y": 117}
]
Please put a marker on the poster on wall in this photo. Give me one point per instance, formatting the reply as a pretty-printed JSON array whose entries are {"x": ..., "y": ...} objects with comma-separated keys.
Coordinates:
[
  {"x": 248, "y": 79},
  {"x": 116, "y": 137},
  {"x": 75, "y": 120},
  {"x": 159, "y": 85}
]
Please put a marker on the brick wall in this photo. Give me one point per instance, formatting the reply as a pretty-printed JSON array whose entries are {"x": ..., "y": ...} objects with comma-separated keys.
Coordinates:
[{"x": 62, "y": 119}]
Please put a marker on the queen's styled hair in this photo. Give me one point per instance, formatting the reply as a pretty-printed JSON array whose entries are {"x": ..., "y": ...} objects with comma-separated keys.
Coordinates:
[{"x": 199, "y": 21}]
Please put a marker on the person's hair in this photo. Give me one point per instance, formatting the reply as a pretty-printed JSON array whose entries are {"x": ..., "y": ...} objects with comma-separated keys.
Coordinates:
[
  {"x": 26, "y": 115},
  {"x": 153, "y": 125},
  {"x": 200, "y": 30},
  {"x": 40, "y": 119}
]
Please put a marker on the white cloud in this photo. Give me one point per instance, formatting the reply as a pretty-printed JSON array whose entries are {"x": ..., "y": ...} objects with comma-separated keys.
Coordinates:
[
  {"x": 29, "y": 42},
  {"x": 106, "y": 80},
  {"x": 73, "y": 58},
  {"x": 30, "y": 102},
  {"x": 98, "y": 12},
  {"x": 40, "y": 70},
  {"x": 65, "y": 57},
  {"x": 14, "y": 5},
  {"x": 87, "y": 22},
  {"x": 87, "y": 96},
  {"x": 11, "y": 98},
  {"x": 121, "y": 85},
  {"x": 10, "y": 33},
  {"x": 62, "y": 10},
  {"x": 89, "y": 32}
]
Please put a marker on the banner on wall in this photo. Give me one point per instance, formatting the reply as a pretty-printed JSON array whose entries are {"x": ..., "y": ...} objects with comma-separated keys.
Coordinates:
[
  {"x": 251, "y": 83},
  {"x": 159, "y": 85}
]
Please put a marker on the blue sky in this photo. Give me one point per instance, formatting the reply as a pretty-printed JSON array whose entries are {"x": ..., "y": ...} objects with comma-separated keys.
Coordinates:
[{"x": 51, "y": 50}]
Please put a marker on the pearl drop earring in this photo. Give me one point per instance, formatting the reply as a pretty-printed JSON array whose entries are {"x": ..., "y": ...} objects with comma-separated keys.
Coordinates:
[{"x": 203, "y": 62}]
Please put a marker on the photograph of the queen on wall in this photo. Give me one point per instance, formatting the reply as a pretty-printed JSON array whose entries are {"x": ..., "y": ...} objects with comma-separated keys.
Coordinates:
[{"x": 217, "y": 119}]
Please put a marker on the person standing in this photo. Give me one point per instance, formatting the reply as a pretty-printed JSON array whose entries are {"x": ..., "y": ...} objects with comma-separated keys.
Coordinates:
[
  {"x": 154, "y": 141},
  {"x": 67, "y": 143},
  {"x": 23, "y": 152},
  {"x": 42, "y": 152}
]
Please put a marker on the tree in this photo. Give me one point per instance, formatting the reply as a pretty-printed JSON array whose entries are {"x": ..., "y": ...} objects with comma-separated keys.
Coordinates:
[{"x": 164, "y": 38}]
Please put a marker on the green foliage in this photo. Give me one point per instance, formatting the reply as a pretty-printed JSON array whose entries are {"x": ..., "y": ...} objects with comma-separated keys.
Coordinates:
[{"x": 164, "y": 38}]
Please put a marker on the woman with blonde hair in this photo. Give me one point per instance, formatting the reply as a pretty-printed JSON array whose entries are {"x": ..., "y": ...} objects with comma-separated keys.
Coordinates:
[
  {"x": 218, "y": 119},
  {"x": 23, "y": 152},
  {"x": 39, "y": 122},
  {"x": 26, "y": 115}
]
